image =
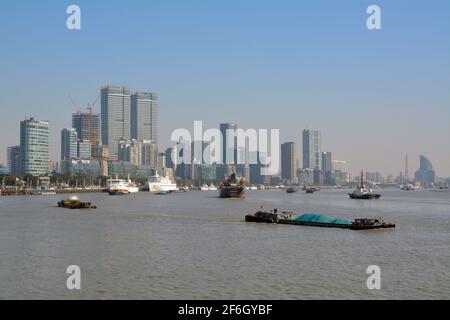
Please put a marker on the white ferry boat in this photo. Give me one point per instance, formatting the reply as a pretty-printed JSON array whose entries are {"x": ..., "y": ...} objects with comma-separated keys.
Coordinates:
[
  {"x": 157, "y": 183},
  {"x": 212, "y": 187},
  {"x": 117, "y": 187}
]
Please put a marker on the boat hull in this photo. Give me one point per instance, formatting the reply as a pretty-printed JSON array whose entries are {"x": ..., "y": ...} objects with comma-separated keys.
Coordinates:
[
  {"x": 228, "y": 192},
  {"x": 364, "y": 196},
  {"x": 118, "y": 192},
  {"x": 75, "y": 204}
]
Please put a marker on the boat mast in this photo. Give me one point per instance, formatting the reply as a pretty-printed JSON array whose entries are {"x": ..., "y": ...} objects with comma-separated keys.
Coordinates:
[{"x": 362, "y": 179}]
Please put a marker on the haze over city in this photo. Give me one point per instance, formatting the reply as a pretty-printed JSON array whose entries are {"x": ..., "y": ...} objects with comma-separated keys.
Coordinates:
[{"x": 374, "y": 95}]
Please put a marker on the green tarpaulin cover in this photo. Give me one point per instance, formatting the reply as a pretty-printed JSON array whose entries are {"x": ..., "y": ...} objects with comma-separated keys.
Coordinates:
[{"x": 314, "y": 217}]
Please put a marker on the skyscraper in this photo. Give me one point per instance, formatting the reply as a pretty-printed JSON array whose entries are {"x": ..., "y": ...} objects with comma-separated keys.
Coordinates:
[
  {"x": 326, "y": 162},
  {"x": 13, "y": 154},
  {"x": 289, "y": 161},
  {"x": 34, "y": 147},
  {"x": 115, "y": 115},
  {"x": 312, "y": 153},
  {"x": 230, "y": 150},
  {"x": 425, "y": 175},
  {"x": 144, "y": 116},
  {"x": 87, "y": 125},
  {"x": 69, "y": 139}
]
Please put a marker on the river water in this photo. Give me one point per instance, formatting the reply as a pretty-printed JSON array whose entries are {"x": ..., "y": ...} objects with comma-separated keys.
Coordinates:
[{"x": 196, "y": 246}]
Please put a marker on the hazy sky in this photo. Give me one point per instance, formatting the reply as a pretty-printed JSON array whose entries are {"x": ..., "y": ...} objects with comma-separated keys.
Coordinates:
[{"x": 375, "y": 95}]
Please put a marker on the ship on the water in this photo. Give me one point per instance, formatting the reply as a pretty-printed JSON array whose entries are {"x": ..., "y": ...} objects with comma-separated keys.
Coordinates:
[
  {"x": 316, "y": 220},
  {"x": 363, "y": 193},
  {"x": 117, "y": 187},
  {"x": 157, "y": 183},
  {"x": 232, "y": 187}
]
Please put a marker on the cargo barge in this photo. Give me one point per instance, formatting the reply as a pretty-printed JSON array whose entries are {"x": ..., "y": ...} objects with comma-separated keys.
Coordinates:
[{"x": 316, "y": 220}]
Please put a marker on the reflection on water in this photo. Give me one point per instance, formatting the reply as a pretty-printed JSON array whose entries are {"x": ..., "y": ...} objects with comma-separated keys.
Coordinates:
[{"x": 196, "y": 246}]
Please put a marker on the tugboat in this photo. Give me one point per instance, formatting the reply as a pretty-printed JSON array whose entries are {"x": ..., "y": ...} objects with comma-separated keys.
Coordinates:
[
  {"x": 310, "y": 190},
  {"x": 291, "y": 190},
  {"x": 367, "y": 224},
  {"x": 75, "y": 203},
  {"x": 362, "y": 193},
  {"x": 232, "y": 187}
]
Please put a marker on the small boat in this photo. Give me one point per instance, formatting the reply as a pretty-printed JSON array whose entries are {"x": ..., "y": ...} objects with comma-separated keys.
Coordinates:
[
  {"x": 212, "y": 187},
  {"x": 308, "y": 189},
  {"x": 204, "y": 187},
  {"x": 232, "y": 187},
  {"x": 75, "y": 203},
  {"x": 362, "y": 193},
  {"x": 407, "y": 187},
  {"x": 163, "y": 193},
  {"x": 291, "y": 190}
]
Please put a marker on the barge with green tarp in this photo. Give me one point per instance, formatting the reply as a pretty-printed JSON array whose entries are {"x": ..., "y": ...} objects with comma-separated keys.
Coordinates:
[{"x": 316, "y": 220}]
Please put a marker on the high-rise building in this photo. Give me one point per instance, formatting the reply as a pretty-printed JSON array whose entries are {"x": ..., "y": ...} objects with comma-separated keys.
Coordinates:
[
  {"x": 84, "y": 149},
  {"x": 144, "y": 116},
  {"x": 161, "y": 160},
  {"x": 87, "y": 125},
  {"x": 34, "y": 147},
  {"x": 115, "y": 115},
  {"x": 312, "y": 153},
  {"x": 340, "y": 172},
  {"x": 339, "y": 165},
  {"x": 13, "y": 154},
  {"x": 326, "y": 162},
  {"x": 229, "y": 148},
  {"x": 426, "y": 174},
  {"x": 149, "y": 153},
  {"x": 130, "y": 151},
  {"x": 289, "y": 161},
  {"x": 69, "y": 140}
]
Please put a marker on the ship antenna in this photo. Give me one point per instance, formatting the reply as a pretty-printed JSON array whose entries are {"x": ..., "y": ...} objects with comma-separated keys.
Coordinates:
[{"x": 362, "y": 179}]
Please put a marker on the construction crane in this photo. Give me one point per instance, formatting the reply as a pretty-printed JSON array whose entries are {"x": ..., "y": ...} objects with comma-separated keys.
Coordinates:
[
  {"x": 90, "y": 106},
  {"x": 74, "y": 103}
]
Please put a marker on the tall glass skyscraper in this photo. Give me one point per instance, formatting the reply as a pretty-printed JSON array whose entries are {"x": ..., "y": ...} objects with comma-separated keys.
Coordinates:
[
  {"x": 289, "y": 161},
  {"x": 13, "y": 153},
  {"x": 115, "y": 114},
  {"x": 426, "y": 174},
  {"x": 34, "y": 147},
  {"x": 230, "y": 149},
  {"x": 326, "y": 162},
  {"x": 312, "y": 149},
  {"x": 144, "y": 116},
  {"x": 69, "y": 139}
]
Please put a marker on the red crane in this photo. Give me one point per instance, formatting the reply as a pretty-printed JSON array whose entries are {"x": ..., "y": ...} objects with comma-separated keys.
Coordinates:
[{"x": 92, "y": 104}]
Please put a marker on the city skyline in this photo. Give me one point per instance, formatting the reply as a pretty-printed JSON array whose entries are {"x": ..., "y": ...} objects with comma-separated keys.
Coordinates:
[{"x": 352, "y": 84}]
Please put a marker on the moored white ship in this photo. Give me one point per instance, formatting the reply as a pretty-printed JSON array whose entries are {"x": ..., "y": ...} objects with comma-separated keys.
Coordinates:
[{"x": 157, "y": 183}]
